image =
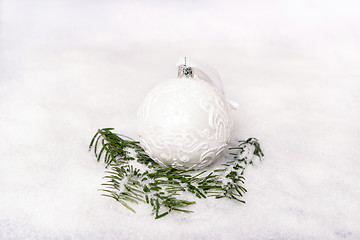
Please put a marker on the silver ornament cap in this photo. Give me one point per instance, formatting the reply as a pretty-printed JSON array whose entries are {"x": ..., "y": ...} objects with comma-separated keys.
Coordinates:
[{"x": 185, "y": 71}]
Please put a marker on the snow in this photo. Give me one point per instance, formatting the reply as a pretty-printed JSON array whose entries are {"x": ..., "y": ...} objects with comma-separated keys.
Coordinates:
[{"x": 68, "y": 68}]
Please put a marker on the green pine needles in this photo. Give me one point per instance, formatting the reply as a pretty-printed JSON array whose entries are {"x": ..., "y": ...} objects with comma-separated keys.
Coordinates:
[{"x": 133, "y": 177}]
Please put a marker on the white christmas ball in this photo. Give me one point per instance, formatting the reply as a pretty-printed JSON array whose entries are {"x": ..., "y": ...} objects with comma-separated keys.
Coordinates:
[{"x": 184, "y": 123}]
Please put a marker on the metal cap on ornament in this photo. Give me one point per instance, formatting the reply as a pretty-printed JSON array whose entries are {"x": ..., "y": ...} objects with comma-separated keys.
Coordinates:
[{"x": 185, "y": 71}]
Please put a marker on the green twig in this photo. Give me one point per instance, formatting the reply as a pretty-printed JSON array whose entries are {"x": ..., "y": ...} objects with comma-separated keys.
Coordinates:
[{"x": 162, "y": 187}]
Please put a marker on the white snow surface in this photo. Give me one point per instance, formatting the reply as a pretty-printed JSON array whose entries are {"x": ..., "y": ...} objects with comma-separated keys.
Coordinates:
[{"x": 70, "y": 67}]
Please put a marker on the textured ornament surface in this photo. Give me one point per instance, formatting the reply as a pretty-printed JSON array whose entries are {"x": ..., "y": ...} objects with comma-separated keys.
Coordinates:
[{"x": 184, "y": 123}]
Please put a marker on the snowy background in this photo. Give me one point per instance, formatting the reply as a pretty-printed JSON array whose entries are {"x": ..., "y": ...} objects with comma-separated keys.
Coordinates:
[{"x": 70, "y": 67}]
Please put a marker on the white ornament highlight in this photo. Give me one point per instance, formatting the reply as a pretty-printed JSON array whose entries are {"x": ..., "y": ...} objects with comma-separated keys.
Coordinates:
[{"x": 184, "y": 123}]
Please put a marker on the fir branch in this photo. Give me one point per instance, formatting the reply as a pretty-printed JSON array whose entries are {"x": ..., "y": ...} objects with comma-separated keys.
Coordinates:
[{"x": 134, "y": 177}]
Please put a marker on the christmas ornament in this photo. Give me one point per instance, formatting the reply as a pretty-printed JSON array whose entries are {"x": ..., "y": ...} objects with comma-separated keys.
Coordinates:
[{"x": 185, "y": 123}]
